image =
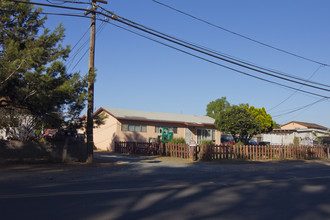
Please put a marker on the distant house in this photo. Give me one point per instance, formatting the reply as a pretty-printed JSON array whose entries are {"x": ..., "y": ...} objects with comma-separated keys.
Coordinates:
[
  {"x": 303, "y": 125},
  {"x": 295, "y": 132},
  {"x": 25, "y": 129},
  {"x": 141, "y": 126}
]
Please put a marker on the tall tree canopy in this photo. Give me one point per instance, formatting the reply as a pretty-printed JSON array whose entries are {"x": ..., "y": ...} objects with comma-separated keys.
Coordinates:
[
  {"x": 264, "y": 120},
  {"x": 215, "y": 108},
  {"x": 33, "y": 78},
  {"x": 241, "y": 121}
]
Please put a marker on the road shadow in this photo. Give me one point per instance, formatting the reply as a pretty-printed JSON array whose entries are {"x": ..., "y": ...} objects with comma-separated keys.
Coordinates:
[{"x": 141, "y": 187}]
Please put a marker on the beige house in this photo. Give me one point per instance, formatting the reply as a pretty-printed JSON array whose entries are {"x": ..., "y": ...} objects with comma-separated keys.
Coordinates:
[
  {"x": 140, "y": 126},
  {"x": 295, "y": 132},
  {"x": 303, "y": 125}
]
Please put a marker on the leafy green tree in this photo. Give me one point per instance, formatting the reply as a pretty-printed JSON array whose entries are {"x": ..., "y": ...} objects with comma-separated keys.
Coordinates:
[
  {"x": 215, "y": 108},
  {"x": 33, "y": 78},
  {"x": 277, "y": 126},
  {"x": 241, "y": 121},
  {"x": 264, "y": 120},
  {"x": 238, "y": 122}
]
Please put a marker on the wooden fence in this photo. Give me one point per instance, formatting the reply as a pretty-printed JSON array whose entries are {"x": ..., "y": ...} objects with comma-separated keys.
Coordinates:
[
  {"x": 137, "y": 148},
  {"x": 180, "y": 151},
  {"x": 221, "y": 152},
  {"x": 259, "y": 152}
]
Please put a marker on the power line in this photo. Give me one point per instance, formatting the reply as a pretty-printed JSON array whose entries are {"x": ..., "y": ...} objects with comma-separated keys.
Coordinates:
[
  {"x": 213, "y": 62},
  {"x": 115, "y": 17},
  {"x": 63, "y": 2},
  {"x": 192, "y": 47},
  {"x": 300, "y": 108},
  {"x": 240, "y": 35},
  {"x": 52, "y": 5},
  {"x": 217, "y": 57},
  {"x": 100, "y": 29},
  {"x": 224, "y": 55},
  {"x": 295, "y": 91}
]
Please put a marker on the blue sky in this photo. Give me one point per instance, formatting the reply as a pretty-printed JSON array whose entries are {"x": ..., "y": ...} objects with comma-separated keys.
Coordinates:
[{"x": 138, "y": 74}]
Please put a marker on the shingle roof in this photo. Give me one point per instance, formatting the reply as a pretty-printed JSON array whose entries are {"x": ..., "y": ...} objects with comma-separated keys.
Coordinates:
[
  {"x": 308, "y": 125},
  {"x": 158, "y": 116}
]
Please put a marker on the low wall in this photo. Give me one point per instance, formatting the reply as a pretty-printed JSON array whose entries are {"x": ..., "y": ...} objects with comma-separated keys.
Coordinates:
[{"x": 62, "y": 150}]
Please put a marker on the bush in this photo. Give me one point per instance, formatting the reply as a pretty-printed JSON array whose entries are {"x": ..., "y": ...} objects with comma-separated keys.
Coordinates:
[
  {"x": 208, "y": 142},
  {"x": 177, "y": 141},
  {"x": 240, "y": 143}
]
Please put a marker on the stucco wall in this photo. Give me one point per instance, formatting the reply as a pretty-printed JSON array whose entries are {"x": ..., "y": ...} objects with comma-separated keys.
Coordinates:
[
  {"x": 104, "y": 135},
  {"x": 305, "y": 137},
  {"x": 279, "y": 138},
  {"x": 293, "y": 126}
]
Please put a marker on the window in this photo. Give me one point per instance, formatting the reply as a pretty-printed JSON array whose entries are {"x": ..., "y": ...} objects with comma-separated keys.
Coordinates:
[
  {"x": 124, "y": 127},
  {"x": 171, "y": 129},
  {"x": 134, "y": 128},
  {"x": 205, "y": 134}
]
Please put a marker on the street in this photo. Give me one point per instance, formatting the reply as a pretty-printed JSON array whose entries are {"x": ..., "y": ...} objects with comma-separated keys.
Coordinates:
[{"x": 131, "y": 187}]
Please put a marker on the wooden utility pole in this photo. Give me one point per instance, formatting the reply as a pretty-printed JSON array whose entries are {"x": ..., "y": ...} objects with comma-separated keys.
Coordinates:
[{"x": 91, "y": 79}]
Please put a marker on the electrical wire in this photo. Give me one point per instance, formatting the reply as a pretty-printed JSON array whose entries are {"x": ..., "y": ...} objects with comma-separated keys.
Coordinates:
[
  {"x": 213, "y": 62},
  {"x": 219, "y": 53},
  {"x": 240, "y": 35},
  {"x": 98, "y": 31},
  {"x": 295, "y": 91},
  {"x": 206, "y": 53},
  {"x": 63, "y": 2},
  {"x": 115, "y": 17},
  {"x": 217, "y": 57},
  {"x": 300, "y": 108},
  {"x": 228, "y": 56}
]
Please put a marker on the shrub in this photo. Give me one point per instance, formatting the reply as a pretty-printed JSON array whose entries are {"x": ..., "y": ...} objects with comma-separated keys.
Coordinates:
[
  {"x": 177, "y": 141},
  {"x": 207, "y": 142},
  {"x": 240, "y": 143}
]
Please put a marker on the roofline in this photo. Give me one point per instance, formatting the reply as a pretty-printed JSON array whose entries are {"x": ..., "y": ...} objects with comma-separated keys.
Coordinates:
[
  {"x": 282, "y": 130},
  {"x": 304, "y": 124},
  {"x": 148, "y": 120},
  {"x": 170, "y": 122}
]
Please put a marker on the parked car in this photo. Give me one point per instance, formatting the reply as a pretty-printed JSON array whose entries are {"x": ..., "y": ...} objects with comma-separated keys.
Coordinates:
[
  {"x": 253, "y": 142},
  {"x": 49, "y": 133},
  {"x": 227, "y": 139},
  {"x": 264, "y": 143},
  {"x": 249, "y": 142}
]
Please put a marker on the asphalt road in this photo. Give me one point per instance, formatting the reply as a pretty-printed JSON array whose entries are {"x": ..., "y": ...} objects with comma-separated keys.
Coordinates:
[{"x": 128, "y": 187}]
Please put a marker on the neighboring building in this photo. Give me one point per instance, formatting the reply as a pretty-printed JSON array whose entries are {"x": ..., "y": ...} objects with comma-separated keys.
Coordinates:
[
  {"x": 140, "y": 126},
  {"x": 303, "y": 125},
  {"x": 295, "y": 132},
  {"x": 25, "y": 129}
]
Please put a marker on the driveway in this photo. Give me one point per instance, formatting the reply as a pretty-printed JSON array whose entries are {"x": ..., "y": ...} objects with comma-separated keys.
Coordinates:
[{"x": 130, "y": 187}]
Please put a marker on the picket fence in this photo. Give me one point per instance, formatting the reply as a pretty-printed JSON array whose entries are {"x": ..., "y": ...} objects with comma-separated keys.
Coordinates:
[
  {"x": 221, "y": 152},
  {"x": 259, "y": 152}
]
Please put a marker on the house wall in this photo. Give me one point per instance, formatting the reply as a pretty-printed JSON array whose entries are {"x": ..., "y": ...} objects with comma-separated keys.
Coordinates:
[
  {"x": 279, "y": 138},
  {"x": 3, "y": 134},
  {"x": 305, "y": 137},
  {"x": 293, "y": 126},
  {"x": 106, "y": 135}
]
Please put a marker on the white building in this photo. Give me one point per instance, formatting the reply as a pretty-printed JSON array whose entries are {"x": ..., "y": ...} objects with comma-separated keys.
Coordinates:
[{"x": 294, "y": 132}]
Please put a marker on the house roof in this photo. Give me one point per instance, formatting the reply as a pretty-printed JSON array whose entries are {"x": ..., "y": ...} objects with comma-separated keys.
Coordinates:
[
  {"x": 308, "y": 125},
  {"x": 158, "y": 116}
]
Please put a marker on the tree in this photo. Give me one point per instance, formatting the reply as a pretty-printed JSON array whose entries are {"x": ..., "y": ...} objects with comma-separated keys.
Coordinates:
[
  {"x": 237, "y": 121},
  {"x": 241, "y": 121},
  {"x": 277, "y": 126},
  {"x": 215, "y": 108},
  {"x": 33, "y": 78},
  {"x": 264, "y": 120}
]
